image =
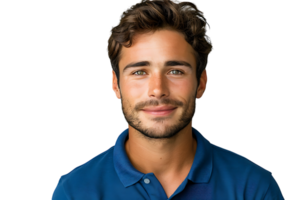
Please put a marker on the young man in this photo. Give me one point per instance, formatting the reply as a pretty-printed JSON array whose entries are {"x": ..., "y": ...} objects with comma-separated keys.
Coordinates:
[{"x": 159, "y": 53}]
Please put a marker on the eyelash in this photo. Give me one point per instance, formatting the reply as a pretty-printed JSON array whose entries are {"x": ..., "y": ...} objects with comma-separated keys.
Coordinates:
[{"x": 171, "y": 70}]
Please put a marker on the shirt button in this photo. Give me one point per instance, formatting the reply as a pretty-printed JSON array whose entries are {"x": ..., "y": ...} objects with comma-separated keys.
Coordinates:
[{"x": 146, "y": 180}]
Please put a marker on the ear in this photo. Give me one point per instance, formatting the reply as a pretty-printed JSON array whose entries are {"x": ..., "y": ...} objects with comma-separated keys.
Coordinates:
[
  {"x": 202, "y": 84},
  {"x": 115, "y": 85}
]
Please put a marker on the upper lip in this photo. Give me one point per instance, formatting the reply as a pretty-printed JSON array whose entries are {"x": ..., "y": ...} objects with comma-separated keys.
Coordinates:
[{"x": 159, "y": 108}]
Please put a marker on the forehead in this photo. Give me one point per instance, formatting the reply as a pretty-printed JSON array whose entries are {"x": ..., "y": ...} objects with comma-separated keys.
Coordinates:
[{"x": 158, "y": 47}]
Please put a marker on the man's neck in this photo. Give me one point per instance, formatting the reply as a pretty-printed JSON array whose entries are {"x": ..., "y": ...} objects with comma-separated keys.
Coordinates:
[{"x": 163, "y": 157}]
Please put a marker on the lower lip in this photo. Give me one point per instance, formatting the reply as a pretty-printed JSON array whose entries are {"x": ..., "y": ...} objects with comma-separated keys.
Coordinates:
[{"x": 159, "y": 113}]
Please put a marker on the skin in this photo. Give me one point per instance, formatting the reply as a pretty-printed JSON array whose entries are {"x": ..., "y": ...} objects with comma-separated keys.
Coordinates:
[{"x": 160, "y": 144}]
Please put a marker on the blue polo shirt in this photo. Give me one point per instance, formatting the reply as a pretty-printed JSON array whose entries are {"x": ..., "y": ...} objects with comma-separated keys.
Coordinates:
[{"x": 216, "y": 174}]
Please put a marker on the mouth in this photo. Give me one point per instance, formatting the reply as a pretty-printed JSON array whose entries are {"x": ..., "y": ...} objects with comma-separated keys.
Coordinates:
[{"x": 160, "y": 112}]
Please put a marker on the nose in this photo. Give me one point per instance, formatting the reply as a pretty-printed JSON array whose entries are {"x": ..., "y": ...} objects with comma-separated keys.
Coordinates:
[{"x": 158, "y": 86}]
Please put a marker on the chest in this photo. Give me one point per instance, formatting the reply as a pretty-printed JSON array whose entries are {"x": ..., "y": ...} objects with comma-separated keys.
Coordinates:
[
  {"x": 171, "y": 186},
  {"x": 170, "y": 189}
]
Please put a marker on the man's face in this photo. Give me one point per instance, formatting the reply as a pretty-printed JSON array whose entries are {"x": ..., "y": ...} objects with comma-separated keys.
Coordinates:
[{"x": 158, "y": 85}]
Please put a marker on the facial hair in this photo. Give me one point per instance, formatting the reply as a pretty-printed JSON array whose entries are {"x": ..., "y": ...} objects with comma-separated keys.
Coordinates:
[{"x": 169, "y": 131}]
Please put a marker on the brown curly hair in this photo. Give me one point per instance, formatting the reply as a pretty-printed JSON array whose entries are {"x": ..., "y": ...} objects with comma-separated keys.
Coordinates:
[{"x": 154, "y": 15}]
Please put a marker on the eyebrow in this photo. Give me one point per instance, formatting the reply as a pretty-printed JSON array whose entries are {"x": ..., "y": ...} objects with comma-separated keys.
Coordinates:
[{"x": 167, "y": 64}]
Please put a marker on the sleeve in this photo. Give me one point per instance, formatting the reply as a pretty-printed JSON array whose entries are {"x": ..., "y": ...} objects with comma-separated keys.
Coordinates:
[
  {"x": 59, "y": 192},
  {"x": 273, "y": 192}
]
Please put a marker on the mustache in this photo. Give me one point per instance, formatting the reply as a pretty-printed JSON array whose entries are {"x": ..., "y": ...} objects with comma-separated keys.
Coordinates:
[{"x": 153, "y": 102}]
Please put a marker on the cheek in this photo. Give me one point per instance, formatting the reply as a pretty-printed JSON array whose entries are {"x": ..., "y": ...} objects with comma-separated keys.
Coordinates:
[
  {"x": 134, "y": 90},
  {"x": 183, "y": 88}
]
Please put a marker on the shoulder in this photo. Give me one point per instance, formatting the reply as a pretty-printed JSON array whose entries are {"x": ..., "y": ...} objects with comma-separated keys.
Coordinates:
[
  {"x": 235, "y": 163},
  {"x": 87, "y": 177},
  {"x": 243, "y": 175},
  {"x": 99, "y": 163}
]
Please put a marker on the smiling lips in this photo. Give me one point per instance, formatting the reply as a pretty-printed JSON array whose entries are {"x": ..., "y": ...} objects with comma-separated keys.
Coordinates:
[{"x": 159, "y": 110}]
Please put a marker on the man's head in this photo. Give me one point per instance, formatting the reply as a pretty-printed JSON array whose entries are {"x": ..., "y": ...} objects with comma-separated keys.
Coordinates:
[
  {"x": 159, "y": 53},
  {"x": 150, "y": 16}
]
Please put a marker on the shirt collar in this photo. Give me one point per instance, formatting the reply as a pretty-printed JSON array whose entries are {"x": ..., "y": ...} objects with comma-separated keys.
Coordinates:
[{"x": 200, "y": 171}]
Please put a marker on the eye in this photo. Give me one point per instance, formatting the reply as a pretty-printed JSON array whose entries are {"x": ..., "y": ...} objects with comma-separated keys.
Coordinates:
[
  {"x": 134, "y": 73},
  {"x": 178, "y": 71}
]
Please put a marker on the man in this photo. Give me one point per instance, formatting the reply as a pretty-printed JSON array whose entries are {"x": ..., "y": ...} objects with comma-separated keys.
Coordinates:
[{"x": 159, "y": 53}]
